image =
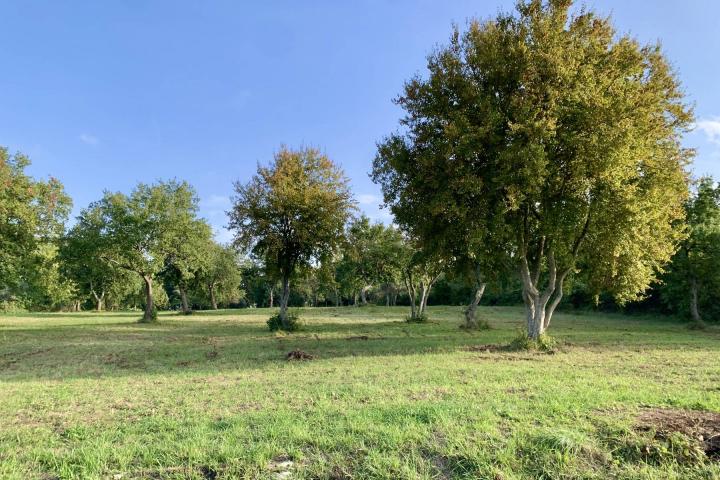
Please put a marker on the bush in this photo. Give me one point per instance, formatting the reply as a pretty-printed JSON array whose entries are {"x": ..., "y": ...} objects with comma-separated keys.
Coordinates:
[
  {"x": 274, "y": 323},
  {"x": 422, "y": 318},
  {"x": 522, "y": 342},
  {"x": 153, "y": 316}
]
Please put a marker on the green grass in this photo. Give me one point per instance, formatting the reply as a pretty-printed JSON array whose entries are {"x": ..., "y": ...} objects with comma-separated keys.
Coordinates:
[{"x": 211, "y": 396}]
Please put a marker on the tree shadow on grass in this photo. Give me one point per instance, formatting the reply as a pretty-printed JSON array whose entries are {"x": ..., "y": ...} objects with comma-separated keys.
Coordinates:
[{"x": 196, "y": 345}]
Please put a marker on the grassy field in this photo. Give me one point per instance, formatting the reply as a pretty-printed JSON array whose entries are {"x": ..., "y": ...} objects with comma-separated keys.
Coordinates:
[{"x": 212, "y": 396}]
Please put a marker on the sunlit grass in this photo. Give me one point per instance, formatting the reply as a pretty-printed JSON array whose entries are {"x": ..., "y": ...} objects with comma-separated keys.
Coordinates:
[{"x": 211, "y": 396}]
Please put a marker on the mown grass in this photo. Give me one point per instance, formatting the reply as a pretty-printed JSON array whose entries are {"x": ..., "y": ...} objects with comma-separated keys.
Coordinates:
[{"x": 211, "y": 396}]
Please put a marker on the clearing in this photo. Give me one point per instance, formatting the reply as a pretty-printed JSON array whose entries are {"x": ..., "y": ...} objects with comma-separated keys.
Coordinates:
[{"x": 356, "y": 394}]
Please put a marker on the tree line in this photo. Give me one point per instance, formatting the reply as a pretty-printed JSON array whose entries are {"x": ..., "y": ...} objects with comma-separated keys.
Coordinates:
[{"x": 540, "y": 155}]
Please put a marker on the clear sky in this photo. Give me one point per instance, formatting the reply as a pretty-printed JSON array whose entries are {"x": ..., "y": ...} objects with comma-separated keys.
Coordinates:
[{"x": 103, "y": 94}]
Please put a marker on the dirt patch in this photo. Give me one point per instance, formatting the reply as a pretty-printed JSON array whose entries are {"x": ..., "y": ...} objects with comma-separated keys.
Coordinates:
[
  {"x": 281, "y": 467},
  {"x": 298, "y": 355},
  {"x": 358, "y": 337},
  {"x": 703, "y": 427}
]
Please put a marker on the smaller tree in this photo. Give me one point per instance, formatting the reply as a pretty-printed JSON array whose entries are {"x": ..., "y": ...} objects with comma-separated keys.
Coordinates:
[
  {"x": 140, "y": 231},
  {"x": 32, "y": 215},
  {"x": 221, "y": 275},
  {"x": 291, "y": 214},
  {"x": 693, "y": 279},
  {"x": 188, "y": 250}
]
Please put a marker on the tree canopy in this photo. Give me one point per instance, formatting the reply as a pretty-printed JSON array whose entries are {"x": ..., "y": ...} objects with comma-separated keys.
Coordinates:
[
  {"x": 291, "y": 213},
  {"x": 32, "y": 214},
  {"x": 563, "y": 140}
]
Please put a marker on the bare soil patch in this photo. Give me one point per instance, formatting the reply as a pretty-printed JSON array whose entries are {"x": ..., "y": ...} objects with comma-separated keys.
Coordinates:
[
  {"x": 298, "y": 355},
  {"x": 704, "y": 427}
]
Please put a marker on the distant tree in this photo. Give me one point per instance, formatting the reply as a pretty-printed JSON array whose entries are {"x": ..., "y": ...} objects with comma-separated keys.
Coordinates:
[
  {"x": 693, "y": 278},
  {"x": 567, "y": 138},
  {"x": 362, "y": 254},
  {"x": 139, "y": 230},
  {"x": 291, "y": 214},
  {"x": 188, "y": 247},
  {"x": 81, "y": 254},
  {"x": 420, "y": 271},
  {"x": 221, "y": 275},
  {"x": 32, "y": 213},
  {"x": 46, "y": 287}
]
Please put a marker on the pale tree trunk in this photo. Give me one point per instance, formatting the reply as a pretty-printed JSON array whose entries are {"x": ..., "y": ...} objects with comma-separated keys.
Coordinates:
[
  {"x": 541, "y": 304},
  {"x": 337, "y": 297},
  {"x": 148, "y": 315},
  {"x": 412, "y": 293},
  {"x": 213, "y": 299},
  {"x": 284, "y": 297},
  {"x": 184, "y": 299},
  {"x": 471, "y": 310},
  {"x": 355, "y": 299},
  {"x": 694, "y": 310},
  {"x": 426, "y": 286},
  {"x": 272, "y": 297},
  {"x": 363, "y": 294},
  {"x": 99, "y": 300}
]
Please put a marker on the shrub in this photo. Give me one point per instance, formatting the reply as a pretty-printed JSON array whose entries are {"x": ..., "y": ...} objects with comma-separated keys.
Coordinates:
[
  {"x": 274, "y": 323},
  {"x": 422, "y": 318},
  {"x": 545, "y": 343}
]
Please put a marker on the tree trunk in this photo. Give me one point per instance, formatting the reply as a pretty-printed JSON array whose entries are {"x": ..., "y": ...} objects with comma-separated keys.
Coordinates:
[
  {"x": 540, "y": 305},
  {"x": 272, "y": 297},
  {"x": 470, "y": 311},
  {"x": 387, "y": 298},
  {"x": 148, "y": 315},
  {"x": 337, "y": 298},
  {"x": 184, "y": 300},
  {"x": 694, "y": 310},
  {"x": 284, "y": 302},
  {"x": 412, "y": 294},
  {"x": 355, "y": 299},
  {"x": 98, "y": 298},
  {"x": 363, "y": 294},
  {"x": 213, "y": 300}
]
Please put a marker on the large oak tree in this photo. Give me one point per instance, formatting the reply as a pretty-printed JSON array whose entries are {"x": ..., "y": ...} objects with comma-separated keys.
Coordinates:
[
  {"x": 559, "y": 138},
  {"x": 291, "y": 214}
]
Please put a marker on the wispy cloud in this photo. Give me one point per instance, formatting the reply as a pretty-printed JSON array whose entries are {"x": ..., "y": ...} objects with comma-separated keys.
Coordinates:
[
  {"x": 367, "y": 199},
  {"x": 711, "y": 129},
  {"x": 88, "y": 139}
]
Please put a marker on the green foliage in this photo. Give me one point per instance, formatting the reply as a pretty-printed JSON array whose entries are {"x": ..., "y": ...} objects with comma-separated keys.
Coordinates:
[
  {"x": 292, "y": 213},
  {"x": 152, "y": 318},
  {"x": 144, "y": 232},
  {"x": 417, "y": 318},
  {"x": 32, "y": 217},
  {"x": 522, "y": 341},
  {"x": 220, "y": 276},
  {"x": 275, "y": 323},
  {"x": 691, "y": 286},
  {"x": 547, "y": 142}
]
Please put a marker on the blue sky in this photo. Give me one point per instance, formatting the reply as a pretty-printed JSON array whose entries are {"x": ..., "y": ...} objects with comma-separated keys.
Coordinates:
[{"x": 105, "y": 94}]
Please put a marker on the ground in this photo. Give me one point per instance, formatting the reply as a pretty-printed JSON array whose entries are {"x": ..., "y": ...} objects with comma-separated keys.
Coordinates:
[{"x": 213, "y": 396}]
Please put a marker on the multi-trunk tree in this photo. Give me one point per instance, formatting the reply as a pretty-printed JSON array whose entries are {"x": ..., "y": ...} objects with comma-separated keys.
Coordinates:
[
  {"x": 140, "y": 231},
  {"x": 562, "y": 140},
  {"x": 291, "y": 214}
]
